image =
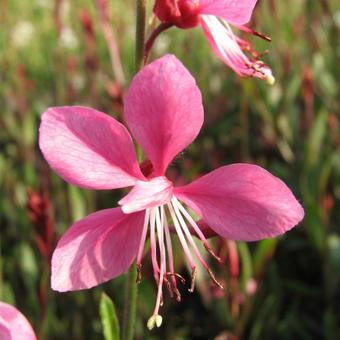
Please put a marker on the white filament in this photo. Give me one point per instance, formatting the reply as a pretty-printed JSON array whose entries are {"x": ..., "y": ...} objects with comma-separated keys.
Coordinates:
[{"x": 161, "y": 247}]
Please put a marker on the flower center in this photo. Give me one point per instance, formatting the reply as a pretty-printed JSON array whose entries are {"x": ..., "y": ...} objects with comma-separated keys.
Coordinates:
[{"x": 156, "y": 222}]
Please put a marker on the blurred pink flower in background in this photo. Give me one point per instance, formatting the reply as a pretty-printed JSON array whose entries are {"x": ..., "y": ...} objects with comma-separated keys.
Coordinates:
[
  {"x": 215, "y": 16},
  {"x": 13, "y": 325},
  {"x": 163, "y": 109}
]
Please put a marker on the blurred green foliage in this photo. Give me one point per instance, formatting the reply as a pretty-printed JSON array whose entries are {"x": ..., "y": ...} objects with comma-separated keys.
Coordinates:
[{"x": 54, "y": 53}]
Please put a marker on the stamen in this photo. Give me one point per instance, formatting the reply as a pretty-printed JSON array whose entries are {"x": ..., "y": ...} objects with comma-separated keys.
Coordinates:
[
  {"x": 173, "y": 289},
  {"x": 193, "y": 278},
  {"x": 258, "y": 34},
  {"x": 153, "y": 245},
  {"x": 159, "y": 300},
  {"x": 197, "y": 229},
  {"x": 160, "y": 235},
  {"x": 168, "y": 285},
  {"x": 188, "y": 235},
  {"x": 161, "y": 248},
  {"x": 142, "y": 245},
  {"x": 211, "y": 252},
  {"x": 139, "y": 273},
  {"x": 143, "y": 238},
  {"x": 211, "y": 274},
  {"x": 168, "y": 245},
  {"x": 178, "y": 295},
  {"x": 182, "y": 279},
  {"x": 181, "y": 236}
]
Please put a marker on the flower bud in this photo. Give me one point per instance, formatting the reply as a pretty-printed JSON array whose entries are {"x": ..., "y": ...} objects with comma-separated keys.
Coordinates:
[{"x": 181, "y": 13}]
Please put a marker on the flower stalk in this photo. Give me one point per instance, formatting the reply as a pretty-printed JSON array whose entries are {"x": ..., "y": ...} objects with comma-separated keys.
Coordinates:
[
  {"x": 140, "y": 33},
  {"x": 149, "y": 43},
  {"x": 130, "y": 307},
  {"x": 131, "y": 296}
]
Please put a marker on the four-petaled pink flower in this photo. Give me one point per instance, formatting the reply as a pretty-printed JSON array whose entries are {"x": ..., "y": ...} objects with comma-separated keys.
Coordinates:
[
  {"x": 163, "y": 109},
  {"x": 13, "y": 325},
  {"x": 215, "y": 17}
]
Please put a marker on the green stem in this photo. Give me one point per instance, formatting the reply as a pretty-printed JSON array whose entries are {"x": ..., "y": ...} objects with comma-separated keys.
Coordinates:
[
  {"x": 140, "y": 47},
  {"x": 130, "y": 308},
  {"x": 140, "y": 33},
  {"x": 130, "y": 304}
]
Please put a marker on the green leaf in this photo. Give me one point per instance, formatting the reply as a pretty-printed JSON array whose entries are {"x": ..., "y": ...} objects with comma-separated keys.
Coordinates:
[
  {"x": 263, "y": 253},
  {"x": 247, "y": 266},
  {"x": 109, "y": 318}
]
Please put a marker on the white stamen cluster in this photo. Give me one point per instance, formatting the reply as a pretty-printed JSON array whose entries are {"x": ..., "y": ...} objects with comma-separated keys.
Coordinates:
[
  {"x": 230, "y": 47},
  {"x": 156, "y": 223}
]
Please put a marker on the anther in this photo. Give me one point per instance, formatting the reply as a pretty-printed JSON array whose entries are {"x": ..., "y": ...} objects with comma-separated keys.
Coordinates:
[
  {"x": 181, "y": 278},
  {"x": 211, "y": 252},
  {"x": 178, "y": 294},
  {"x": 261, "y": 35},
  {"x": 193, "y": 277},
  {"x": 213, "y": 278},
  {"x": 168, "y": 285},
  {"x": 172, "y": 287},
  {"x": 139, "y": 273}
]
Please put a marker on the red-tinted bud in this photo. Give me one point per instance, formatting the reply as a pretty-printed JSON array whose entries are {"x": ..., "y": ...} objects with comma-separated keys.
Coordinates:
[{"x": 181, "y": 13}]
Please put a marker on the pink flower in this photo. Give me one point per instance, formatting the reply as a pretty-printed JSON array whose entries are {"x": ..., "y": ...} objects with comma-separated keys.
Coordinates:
[
  {"x": 163, "y": 109},
  {"x": 215, "y": 17},
  {"x": 13, "y": 325}
]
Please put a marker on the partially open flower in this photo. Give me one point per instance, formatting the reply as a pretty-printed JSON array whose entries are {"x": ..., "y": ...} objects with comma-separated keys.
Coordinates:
[
  {"x": 163, "y": 109},
  {"x": 215, "y": 17}
]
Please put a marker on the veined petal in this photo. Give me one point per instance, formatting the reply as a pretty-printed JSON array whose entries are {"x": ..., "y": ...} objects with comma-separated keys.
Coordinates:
[
  {"x": 147, "y": 194},
  {"x": 88, "y": 148},
  {"x": 14, "y": 325},
  {"x": 243, "y": 202},
  {"x": 163, "y": 109},
  {"x": 236, "y": 12},
  {"x": 96, "y": 249},
  {"x": 227, "y": 47}
]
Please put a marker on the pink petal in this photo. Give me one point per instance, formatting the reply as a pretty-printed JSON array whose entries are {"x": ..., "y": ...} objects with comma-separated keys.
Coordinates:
[
  {"x": 5, "y": 332},
  {"x": 228, "y": 48},
  {"x": 14, "y": 325},
  {"x": 88, "y": 148},
  {"x": 96, "y": 249},
  {"x": 243, "y": 202},
  {"x": 236, "y": 12},
  {"x": 147, "y": 194},
  {"x": 163, "y": 108},
  {"x": 206, "y": 230}
]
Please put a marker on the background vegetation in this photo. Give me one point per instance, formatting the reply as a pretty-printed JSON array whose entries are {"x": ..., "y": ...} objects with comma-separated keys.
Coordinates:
[{"x": 55, "y": 53}]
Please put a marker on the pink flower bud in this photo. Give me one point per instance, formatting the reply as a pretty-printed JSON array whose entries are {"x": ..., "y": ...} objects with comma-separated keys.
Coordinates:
[{"x": 182, "y": 13}]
